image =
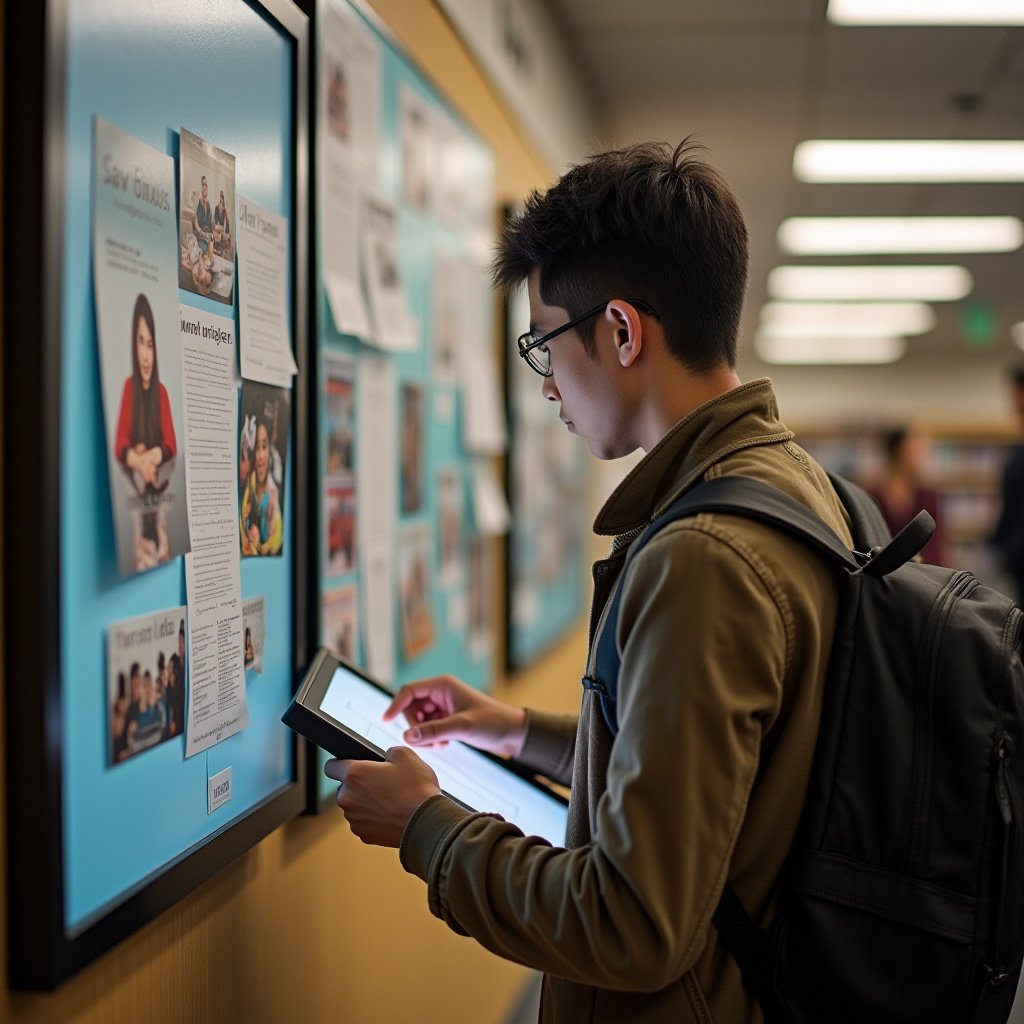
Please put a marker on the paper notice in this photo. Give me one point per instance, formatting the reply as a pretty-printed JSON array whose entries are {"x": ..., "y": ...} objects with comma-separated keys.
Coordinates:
[
  {"x": 377, "y": 471},
  {"x": 265, "y": 338},
  {"x": 217, "y": 706}
]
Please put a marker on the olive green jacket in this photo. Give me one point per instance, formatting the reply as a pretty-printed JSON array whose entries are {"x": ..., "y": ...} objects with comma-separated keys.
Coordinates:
[{"x": 724, "y": 631}]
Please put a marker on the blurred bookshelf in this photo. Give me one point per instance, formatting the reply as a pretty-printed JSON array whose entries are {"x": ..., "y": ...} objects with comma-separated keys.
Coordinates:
[{"x": 964, "y": 465}]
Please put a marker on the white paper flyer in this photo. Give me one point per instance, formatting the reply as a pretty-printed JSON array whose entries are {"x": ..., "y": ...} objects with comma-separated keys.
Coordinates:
[{"x": 217, "y": 706}]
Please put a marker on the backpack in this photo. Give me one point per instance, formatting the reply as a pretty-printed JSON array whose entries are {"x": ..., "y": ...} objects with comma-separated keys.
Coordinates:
[{"x": 901, "y": 898}]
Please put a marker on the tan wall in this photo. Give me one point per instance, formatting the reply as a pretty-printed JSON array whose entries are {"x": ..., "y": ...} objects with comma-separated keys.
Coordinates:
[{"x": 311, "y": 926}]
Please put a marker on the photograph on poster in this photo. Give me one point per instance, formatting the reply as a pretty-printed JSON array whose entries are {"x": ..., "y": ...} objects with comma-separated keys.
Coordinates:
[
  {"x": 146, "y": 681},
  {"x": 254, "y": 631},
  {"x": 414, "y": 591},
  {"x": 479, "y": 598},
  {"x": 339, "y": 623},
  {"x": 140, "y": 354},
  {"x": 412, "y": 448},
  {"x": 449, "y": 525},
  {"x": 394, "y": 326},
  {"x": 206, "y": 228},
  {"x": 417, "y": 145},
  {"x": 340, "y": 528},
  {"x": 447, "y": 296},
  {"x": 262, "y": 452},
  {"x": 339, "y": 389},
  {"x": 337, "y": 100}
]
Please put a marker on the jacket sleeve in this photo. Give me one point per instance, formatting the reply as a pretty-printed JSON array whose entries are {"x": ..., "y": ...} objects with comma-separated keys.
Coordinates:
[
  {"x": 705, "y": 645},
  {"x": 550, "y": 745}
]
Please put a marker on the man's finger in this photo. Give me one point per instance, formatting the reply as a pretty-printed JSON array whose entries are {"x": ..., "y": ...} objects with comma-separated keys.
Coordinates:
[{"x": 337, "y": 768}]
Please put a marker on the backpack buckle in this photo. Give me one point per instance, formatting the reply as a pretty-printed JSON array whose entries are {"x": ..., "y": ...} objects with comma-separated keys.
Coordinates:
[{"x": 590, "y": 683}]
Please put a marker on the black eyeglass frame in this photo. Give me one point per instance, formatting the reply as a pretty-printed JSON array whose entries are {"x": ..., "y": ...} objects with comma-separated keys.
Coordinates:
[{"x": 525, "y": 349}]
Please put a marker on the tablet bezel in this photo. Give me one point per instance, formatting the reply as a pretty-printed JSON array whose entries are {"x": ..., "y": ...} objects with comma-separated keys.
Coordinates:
[{"x": 305, "y": 716}]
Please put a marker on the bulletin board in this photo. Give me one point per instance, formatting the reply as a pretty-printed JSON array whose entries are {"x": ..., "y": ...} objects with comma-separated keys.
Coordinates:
[
  {"x": 101, "y": 842},
  {"x": 546, "y": 543},
  {"x": 405, "y": 557}
]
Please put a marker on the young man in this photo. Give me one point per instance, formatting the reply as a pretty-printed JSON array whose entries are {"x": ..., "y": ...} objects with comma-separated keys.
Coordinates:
[{"x": 636, "y": 265}]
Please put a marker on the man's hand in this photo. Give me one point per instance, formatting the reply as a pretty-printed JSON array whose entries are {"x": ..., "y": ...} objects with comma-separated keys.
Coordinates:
[
  {"x": 378, "y": 799},
  {"x": 445, "y": 708}
]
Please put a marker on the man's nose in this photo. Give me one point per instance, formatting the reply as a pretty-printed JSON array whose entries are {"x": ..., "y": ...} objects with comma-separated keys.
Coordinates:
[{"x": 549, "y": 391}]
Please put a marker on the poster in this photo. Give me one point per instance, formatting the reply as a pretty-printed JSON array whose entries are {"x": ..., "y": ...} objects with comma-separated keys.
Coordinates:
[
  {"x": 146, "y": 682},
  {"x": 217, "y": 704},
  {"x": 206, "y": 229},
  {"x": 262, "y": 454},
  {"x": 349, "y": 107},
  {"x": 340, "y": 523},
  {"x": 449, "y": 525},
  {"x": 394, "y": 327},
  {"x": 415, "y": 596},
  {"x": 412, "y": 456},
  {"x": 134, "y": 256},
  {"x": 480, "y": 577},
  {"x": 263, "y": 268},
  {"x": 254, "y": 624},
  {"x": 418, "y": 147},
  {"x": 338, "y": 623},
  {"x": 339, "y": 399}
]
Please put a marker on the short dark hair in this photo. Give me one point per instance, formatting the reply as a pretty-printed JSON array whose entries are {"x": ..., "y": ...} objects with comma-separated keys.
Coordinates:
[
  {"x": 893, "y": 440},
  {"x": 647, "y": 222}
]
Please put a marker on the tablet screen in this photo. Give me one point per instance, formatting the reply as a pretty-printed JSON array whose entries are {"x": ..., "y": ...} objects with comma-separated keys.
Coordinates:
[{"x": 463, "y": 772}]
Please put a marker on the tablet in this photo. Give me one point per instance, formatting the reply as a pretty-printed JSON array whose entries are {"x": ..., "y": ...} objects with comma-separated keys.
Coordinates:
[{"x": 339, "y": 708}]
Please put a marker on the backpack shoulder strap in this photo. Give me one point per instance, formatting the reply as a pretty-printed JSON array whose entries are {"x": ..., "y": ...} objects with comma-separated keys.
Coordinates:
[{"x": 734, "y": 494}]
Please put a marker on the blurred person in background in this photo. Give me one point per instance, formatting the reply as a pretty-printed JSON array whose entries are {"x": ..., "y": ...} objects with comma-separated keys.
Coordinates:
[
  {"x": 902, "y": 491},
  {"x": 1009, "y": 532}
]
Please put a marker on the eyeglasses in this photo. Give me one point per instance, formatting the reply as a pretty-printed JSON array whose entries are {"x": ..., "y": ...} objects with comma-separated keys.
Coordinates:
[{"x": 534, "y": 350}]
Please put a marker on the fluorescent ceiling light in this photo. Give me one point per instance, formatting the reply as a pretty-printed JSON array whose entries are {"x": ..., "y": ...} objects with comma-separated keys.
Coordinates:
[
  {"x": 829, "y": 318},
  {"x": 926, "y": 12},
  {"x": 924, "y": 283},
  {"x": 1017, "y": 333},
  {"x": 805, "y": 236},
  {"x": 823, "y": 160},
  {"x": 829, "y": 351}
]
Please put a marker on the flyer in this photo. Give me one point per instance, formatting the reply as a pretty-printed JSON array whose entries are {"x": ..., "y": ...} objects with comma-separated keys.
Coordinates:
[
  {"x": 338, "y": 622},
  {"x": 264, "y": 334},
  {"x": 217, "y": 706},
  {"x": 255, "y": 624},
  {"x": 134, "y": 259},
  {"x": 349, "y": 105}
]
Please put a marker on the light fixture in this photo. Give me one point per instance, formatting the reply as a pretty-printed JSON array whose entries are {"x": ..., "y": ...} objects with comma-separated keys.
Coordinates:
[
  {"x": 924, "y": 283},
  {"x": 818, "y": 236},
  {"x": 829, "y": 351},
  {"x": 926, "y": 12},
  {"x": 1017, "y": 333},
  {"x": 868, "y": 318},
  {"x": 831, "y": 160}
]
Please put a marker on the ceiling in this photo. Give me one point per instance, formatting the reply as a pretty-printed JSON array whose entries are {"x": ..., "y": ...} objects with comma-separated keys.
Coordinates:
[{"x": 752, "y": 78}]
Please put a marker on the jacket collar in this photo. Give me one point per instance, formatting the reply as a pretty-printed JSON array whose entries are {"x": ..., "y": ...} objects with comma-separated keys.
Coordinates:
[{"x": 745, "y": 417}]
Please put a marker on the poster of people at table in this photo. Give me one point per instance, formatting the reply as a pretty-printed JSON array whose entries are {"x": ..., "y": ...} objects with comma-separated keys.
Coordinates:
[
  {"x": 134, "y": 282},
  {"x": 206, "y": 227},
  {"x": 146, "y": 682},
  {"x": 262, "y": 454}
]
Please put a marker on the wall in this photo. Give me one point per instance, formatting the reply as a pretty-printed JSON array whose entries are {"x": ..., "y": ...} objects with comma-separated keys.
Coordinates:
[{"x": 310, "y": 925}]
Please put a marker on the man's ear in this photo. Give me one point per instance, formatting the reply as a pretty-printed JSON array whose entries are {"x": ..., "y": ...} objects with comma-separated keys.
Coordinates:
[{"x": 628, "y": 333}]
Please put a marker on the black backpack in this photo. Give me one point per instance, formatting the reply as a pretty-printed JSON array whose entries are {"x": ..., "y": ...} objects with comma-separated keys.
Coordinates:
[{"x": 901, "y": 898}]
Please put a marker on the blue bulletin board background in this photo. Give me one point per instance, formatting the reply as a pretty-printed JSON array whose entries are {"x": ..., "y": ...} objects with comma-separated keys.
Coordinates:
[
  {"x": 421, "y": 237},
  {"x": 224, "y": 70}
]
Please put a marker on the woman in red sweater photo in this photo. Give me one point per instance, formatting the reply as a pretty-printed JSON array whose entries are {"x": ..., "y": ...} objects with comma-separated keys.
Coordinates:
[{"x": 145, "y": 438}]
